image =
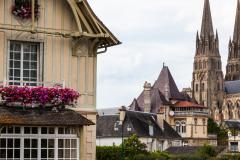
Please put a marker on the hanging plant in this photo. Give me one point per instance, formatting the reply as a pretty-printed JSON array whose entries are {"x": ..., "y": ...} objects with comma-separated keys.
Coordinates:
[
  {"x": 23, "y": 9},
  {"x": 28, "y": 96}
]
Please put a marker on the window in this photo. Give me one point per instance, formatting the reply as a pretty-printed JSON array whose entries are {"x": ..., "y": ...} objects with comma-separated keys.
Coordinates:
[
  {"x": 150, "y": 130},
  {"x": 202, "y": 86},
  {"x": 180, "y": 127},
  {"x": 204, "y": 124},
  {"x": 24, "y": 63},
  {"x": 196, "y": 88},
  {"x": 33, "y": 144},
  {"x": 195, "y": 123}
]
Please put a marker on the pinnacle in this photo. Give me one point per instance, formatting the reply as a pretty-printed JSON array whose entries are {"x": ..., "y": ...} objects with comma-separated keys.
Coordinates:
[{"x": 207, "y": 26}]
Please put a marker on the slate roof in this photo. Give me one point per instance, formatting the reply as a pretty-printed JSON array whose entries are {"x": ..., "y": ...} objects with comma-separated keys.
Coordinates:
[
  {"x": 138, "y": 122},
  {"x": 164, "y": 80},
  {"x": 190, "y": 150},
  {"x": 158, "y": 99},
  {"x": 232, "y": 124},
  {"x": 41, "y": 117},
  {"x": 232, "y": 87}
]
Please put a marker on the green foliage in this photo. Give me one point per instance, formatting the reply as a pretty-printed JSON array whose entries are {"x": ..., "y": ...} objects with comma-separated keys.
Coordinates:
[
  {"x": 206, "y": 152},
  {"x": 222, "y": 134},
  {"x": 133, "y": 146},
  {"x": 108, "y": 153}
]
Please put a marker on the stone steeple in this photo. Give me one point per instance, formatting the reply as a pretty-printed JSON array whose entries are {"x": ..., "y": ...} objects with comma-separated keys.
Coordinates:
[
  {"x": 233, "y": 65},
  {"x": 207, "y": 82},
  {"x": 207, "y": 26}
]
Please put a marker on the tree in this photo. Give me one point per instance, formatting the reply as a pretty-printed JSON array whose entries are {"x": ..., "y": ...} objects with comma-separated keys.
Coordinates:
[
  {"x": 206, "y": 152},
  {"x": 133, "y": 146},
  {"x": 222, "y": 134}
]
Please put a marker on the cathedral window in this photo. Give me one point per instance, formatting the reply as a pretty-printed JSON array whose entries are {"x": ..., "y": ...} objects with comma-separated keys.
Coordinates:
[
  {"x": 196, "y": 89},
  {"x": 202, "y": 86}
]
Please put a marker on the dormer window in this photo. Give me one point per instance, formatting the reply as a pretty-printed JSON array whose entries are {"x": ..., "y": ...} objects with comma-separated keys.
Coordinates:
[{"x": 24, "y": 64}]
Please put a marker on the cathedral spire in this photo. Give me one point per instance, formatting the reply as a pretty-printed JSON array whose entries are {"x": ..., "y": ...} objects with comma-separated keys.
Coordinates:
[
  {"x": 207, "y": 26},
  {"x": 236, "y": 34}
]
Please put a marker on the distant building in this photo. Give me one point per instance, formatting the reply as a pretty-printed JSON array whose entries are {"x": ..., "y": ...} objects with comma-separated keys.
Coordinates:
[
  {"x": 179, "y": 110},
  {"x": 151, "y": 129},
  {"x": 209, "y": 88},
  {"x": 233, "y": 127}
]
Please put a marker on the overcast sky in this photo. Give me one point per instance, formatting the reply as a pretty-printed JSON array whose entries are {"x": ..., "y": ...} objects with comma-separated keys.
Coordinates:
[{"x": 153, "y": 32}]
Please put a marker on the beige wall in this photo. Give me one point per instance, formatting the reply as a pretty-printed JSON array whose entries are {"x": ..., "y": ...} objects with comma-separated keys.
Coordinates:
[{"x": 65, "y": 59}]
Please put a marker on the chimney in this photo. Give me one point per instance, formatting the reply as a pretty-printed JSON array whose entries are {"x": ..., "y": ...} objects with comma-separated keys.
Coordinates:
[
  {"x": 160, "y": 118},
  {"x": 122, "y": 112},
  {"x": 166, "y": 92},
  {"x": 147, "y": 97}
]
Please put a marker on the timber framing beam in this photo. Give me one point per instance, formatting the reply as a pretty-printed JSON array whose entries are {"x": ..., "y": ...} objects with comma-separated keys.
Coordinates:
[{"x": 45, "y": 31}]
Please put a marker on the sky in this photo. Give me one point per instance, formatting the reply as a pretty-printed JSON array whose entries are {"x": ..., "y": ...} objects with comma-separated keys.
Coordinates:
[{"x": 153, "y": 32}]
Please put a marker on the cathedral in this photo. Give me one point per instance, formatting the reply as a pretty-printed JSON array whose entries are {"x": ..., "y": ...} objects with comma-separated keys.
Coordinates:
[{"x": 209, "y": 86}]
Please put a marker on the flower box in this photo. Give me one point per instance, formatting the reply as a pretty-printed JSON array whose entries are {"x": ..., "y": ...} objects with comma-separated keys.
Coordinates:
[{"x": 38, "y": 96}]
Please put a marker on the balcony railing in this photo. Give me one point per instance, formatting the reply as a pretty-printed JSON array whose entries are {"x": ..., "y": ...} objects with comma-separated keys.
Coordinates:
[{"x": 181, "y": 113}]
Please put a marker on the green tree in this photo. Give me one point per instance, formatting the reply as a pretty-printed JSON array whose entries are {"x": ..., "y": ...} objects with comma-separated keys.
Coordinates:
[
  {"x": 133, "y": 146},
  {"x": 206, "y": 152},
  {"x": 221, "y": 132}
]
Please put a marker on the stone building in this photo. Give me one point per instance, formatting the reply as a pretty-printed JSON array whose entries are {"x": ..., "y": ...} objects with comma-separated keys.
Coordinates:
[
  {"x": 209, "y": 87},
  {"x": 50, "y": 43},
  {"x": 178, "y": 109}
]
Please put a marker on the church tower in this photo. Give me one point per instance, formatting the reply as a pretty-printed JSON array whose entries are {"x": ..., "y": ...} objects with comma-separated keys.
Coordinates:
[
  {"x": 207, "y": 82},
  {"x": 233, "y": 65}
]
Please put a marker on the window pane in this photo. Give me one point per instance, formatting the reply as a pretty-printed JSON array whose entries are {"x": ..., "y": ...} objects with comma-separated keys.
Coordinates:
[
  {"x": 33, "y": 73},
  {"x": 17, "y": 47},
  {"x": 10, "y": 153},
  {"x": 26, "y": 143},
  {"x": 33, "y": 65},
  {"x": 51, "y": 153},
  {"x": 17, "y": 143},
  {"x": 73, "y": 143},
  {"x": 34, "y": 143},
  {"x": 16, "y": 72},
  {"x": 60, "y": 143},
  {"x": 26, "y": 65},
  {"x": 17, "y": 130},
  {"x": 33, "y": 48},
  {"x": 3, "y": 143},
  {"x": 34, "y": 153},
  {"x": 26, "y": 56},
  {"x": 67, "y": 143},
  {"x": 11, "y": 55},
  {"x": 10, "y": 143},
  {"x": 44, "y": 153},
  {"x": 67, "y": 153},
  {"x": 60, "y": 130},
  {"x": 10, "y": 129},
  {"x": 34, "y": 130},
  {"x": 51, "y": 130},
  {"x": 60, "y": 153},
  {"x": 44, "y": 143},
  {"x": 51, "y": 143},
  {"x": 34, "y": 57},
  {"x": 26, "y": 153},
  {"x": 17, "y": 153},
  {"x": 27, "y": 130},
  {"x": 3, "y": 153},
  {"x": 16, "y": 64},
  {"x": 44, "y": 130},
  {"x": 17, "y": 56},
  {"x": 26, "y": 48},
  {"x": 74, "y": 153}
]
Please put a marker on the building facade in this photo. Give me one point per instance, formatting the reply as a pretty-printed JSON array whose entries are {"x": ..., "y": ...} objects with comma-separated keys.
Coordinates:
[
  {"x": 209, "y": 87},
  {"x": 52, "y": 42},
  {"x": 177, "y": 108}
]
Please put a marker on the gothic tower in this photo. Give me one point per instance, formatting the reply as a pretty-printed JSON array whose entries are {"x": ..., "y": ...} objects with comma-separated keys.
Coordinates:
[
  {"x": 233, "y": 65},
  {"x": 207, "y": 82}
]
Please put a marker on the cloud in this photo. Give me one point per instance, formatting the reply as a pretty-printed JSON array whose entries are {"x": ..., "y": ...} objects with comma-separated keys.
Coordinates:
[{"x": 153, "y": 32}]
